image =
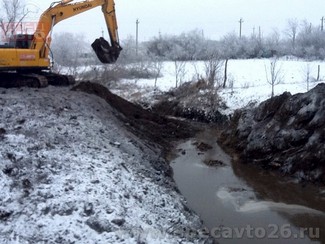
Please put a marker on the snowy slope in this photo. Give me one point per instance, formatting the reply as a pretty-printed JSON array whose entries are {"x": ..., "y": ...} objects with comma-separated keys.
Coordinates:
[{"x": 70, "y": 173}]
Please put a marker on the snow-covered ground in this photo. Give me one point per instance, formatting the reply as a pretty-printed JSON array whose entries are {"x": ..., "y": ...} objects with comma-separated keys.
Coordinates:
[
  {"x": 248, "y": 78},
  {"x": 70, "y": 173}
]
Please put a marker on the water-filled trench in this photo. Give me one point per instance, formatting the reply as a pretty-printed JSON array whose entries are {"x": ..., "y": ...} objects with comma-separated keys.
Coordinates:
[{"x": 241, "y": 203}]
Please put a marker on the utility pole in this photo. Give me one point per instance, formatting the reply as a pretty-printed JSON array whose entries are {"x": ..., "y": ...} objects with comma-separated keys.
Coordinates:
[
  {"x": 240, "y": 26},
  {"x": 322, "y": 24},
  {"x": 137, "y": 37}
]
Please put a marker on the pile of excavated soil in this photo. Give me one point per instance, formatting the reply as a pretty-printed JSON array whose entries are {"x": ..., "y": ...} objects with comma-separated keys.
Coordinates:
[
  {"x": 70, "y": 172},
  {"x": 286, "y": 133},
  {"x": 152, "y": 127}
]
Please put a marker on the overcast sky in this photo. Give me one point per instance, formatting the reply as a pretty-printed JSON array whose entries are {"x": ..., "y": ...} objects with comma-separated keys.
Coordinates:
[{"x": 215, "y": 18}]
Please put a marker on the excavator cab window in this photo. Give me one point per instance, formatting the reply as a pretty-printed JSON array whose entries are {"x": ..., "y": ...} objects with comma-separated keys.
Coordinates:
[{"x": 21, "y": 41}]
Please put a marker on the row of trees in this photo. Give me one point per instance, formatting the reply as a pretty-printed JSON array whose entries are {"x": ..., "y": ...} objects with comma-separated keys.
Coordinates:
[{"x": 299, "y": 39}]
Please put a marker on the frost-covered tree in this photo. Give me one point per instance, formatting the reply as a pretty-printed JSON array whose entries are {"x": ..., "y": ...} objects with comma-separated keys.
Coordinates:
[
  {"x": 187, "y": 46},
  {"x": 292, "y": 31},
  {"x": 157, "y": 65},
  {"x": 213, "y": 66},
  {"x": 132, "y": 54},
  {"x": 273, "y": 43},
  {"x": 194, "y": 44},
  {"x": 65, "y": 54},
  {"x": 180, "y": 71},
  {"x": 310, "y": 42}
]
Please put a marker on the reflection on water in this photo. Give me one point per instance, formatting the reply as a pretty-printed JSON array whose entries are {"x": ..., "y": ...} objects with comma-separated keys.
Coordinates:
[{"x": 253, "y": 205}]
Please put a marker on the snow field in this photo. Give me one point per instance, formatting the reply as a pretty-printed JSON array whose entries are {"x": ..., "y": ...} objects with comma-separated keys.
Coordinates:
[{"x": 248, "y": 78}]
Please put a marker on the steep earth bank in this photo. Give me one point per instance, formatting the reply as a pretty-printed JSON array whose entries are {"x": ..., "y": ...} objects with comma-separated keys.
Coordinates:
[
  {"x": 285, "y": 133},
  {"x": 154, "y": 128}
]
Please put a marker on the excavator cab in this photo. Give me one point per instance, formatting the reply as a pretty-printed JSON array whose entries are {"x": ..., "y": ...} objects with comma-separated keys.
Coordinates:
[
  {"x": 105, "y": 52},
  {"x": 21, "y": 41}
]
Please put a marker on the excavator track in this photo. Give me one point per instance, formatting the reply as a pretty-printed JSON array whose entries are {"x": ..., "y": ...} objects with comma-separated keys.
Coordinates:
[{"x": 36, "y": 80}]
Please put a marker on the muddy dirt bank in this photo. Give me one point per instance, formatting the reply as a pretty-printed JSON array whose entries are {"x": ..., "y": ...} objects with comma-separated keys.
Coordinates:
[
  {"x": 285, "y": 133},
  {"x": 152, "y": 127}
]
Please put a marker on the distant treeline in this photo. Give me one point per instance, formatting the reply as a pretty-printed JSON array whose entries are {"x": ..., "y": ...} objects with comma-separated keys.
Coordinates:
[{"x": 300, "y": 40}]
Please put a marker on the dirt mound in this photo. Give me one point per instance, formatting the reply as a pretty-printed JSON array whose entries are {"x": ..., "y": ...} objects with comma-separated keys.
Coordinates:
[
  {"x": 152, "y": 127},
  {"x": 71, "y": 173},
  {"x": 286, "y": 133}
]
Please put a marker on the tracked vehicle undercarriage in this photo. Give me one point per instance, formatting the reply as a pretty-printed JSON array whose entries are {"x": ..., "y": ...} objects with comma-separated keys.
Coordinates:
[{"x": 37, "y": 80}]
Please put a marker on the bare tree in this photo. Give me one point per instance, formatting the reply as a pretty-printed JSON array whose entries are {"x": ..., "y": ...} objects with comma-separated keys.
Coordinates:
[
  {"x": 12, "y": 14},
  {"x": 274, "y": 73},
  {"x": 212, "y": 68},
  {"x": 179, "y": 71},
  {"x": 306, "y": 71},
  {"x": 157, "y": 66},
  {"x": 197, "y": 75},
  {"x": 292, "y": 31}
]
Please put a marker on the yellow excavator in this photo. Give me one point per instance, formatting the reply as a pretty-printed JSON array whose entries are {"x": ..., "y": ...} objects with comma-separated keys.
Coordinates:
[{"x": 25, "y": 60}]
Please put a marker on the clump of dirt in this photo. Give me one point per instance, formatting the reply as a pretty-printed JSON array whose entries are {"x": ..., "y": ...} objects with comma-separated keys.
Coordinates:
[
  {"x": 147, "y": 125},
  {"x": 203, "y": 147},
  {"x": 214, "y": 163},
  {"x": 285, "y": 133}
]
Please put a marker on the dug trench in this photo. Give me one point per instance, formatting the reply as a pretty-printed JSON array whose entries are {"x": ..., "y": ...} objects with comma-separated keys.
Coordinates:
[
  {"x": 284, "y": 134},
  {"x": 266, "y": 142}
]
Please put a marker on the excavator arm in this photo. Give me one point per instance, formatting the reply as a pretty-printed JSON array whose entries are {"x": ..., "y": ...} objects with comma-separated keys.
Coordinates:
[
  {"x": 108, "y": 53},
  {"x": 59, "y": 11}
]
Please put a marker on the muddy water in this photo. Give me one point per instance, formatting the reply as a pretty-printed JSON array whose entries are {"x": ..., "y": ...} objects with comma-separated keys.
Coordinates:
[{"x": 242, "y": 204}]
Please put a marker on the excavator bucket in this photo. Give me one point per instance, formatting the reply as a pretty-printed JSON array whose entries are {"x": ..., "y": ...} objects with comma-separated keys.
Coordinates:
[{"x": 106, "y": 53}]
